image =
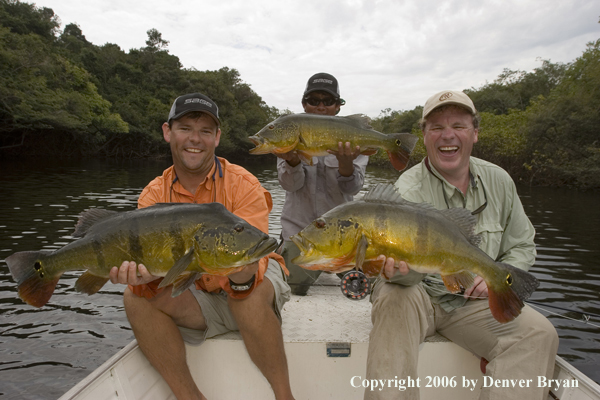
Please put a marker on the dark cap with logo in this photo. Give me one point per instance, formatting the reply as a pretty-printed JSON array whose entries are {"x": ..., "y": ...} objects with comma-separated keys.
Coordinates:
[
  {"x": 325, "y": 82},
  {"x": 194, "y": 102}
]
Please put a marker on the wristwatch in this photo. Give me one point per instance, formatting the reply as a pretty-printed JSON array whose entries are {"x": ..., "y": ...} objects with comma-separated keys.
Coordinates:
[{"x": 241, "y": 287}]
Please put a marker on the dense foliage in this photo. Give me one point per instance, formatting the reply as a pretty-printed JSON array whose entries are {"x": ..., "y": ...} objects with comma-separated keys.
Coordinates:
[
  {"x": 542, "y": 126},
  {"x": 61, "y": 95}
]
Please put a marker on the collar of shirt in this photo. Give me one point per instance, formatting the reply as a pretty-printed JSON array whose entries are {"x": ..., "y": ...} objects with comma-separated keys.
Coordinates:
[
  {"x": 454, "y": 196},
  {"x": 207, "y": 184}
]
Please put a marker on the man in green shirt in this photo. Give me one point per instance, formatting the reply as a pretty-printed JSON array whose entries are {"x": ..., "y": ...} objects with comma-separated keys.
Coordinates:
[{"x": 409, "y": 306}]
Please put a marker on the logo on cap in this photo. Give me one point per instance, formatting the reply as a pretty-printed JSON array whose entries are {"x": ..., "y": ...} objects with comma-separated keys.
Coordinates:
[
  {"x": 445, "y": 96},
  {"x": 197, "y": 100},
  {"x": 328, "y": 81}
]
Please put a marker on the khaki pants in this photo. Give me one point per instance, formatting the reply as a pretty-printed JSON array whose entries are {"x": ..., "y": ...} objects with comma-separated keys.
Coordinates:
[
  {"x": 217, "y": 314},
  {"x": 402, "y": 316}
]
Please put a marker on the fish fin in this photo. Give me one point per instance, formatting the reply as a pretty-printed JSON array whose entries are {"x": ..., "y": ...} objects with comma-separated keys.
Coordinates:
[
  {"x": 304, "y": 156},
  {"x": 506, "y": 297},
  {"x": 385, "y": 193},
  {"x": 361, "y": 251},
  {"x": 402, "y": 145},
  {"x": 89, "y": 283},
  {"x": 372, "y": 268},
  {"x": 453, "y": 282},
  {"x": 360, "y": 120},
  {"x": 505, "y": 305},
  {"x": 465, "y": 221},
  {"x": 183, "y": 282},
  {"x": 368, "y": 152},
  {"x": 91, "y": 217},
  {"x": 333, "y": 268},
  {"x": 286, "y": 149},
  {"x": 177, "y": 269},
  {"x": 34, "y": 282}
]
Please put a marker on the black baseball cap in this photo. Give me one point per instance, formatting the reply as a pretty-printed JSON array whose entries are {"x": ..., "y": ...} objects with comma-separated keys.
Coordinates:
[
  {"x": 194, "y": 102},
  {"x": 325, "y": 82}
]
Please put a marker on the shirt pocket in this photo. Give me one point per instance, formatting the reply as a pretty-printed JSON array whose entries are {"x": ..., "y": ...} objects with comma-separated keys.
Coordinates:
[{"x": 491, "y": 237}]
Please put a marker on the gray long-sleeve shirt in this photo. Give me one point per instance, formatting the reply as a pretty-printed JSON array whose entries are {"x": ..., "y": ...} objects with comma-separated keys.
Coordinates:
[{"x": 311, "y": 191}]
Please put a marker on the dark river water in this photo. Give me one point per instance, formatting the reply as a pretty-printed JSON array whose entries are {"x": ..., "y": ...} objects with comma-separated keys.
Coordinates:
[{"x": 46, "y": 351}]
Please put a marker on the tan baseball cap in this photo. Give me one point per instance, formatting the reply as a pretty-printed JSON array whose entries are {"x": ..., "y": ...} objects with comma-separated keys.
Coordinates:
[{"x": 448, "y": 97}]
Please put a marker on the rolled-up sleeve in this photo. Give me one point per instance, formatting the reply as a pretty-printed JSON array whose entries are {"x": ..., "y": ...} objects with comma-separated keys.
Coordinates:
[
  {"x": 290, "y": 178},
  {"x": 353, "y": 184}
]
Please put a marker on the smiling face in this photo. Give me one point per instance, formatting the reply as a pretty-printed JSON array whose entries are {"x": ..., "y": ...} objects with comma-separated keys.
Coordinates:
[
  {"x": 193, "y": 140},
  {"x": 449, "y": 136}
]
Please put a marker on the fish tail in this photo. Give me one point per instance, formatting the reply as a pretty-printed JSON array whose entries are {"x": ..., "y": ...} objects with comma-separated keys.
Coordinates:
[
  {"x": 399, "y": 153},
  {"x": 506, "y": 298},
  {"x": 35, "y": 282}
]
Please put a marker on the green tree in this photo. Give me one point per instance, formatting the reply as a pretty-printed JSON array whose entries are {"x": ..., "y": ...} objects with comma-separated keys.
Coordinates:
[
  {"x": 564, "y": 138},
  {"x": 23, "y": 18},
  {"x": 42, "y": 91}
]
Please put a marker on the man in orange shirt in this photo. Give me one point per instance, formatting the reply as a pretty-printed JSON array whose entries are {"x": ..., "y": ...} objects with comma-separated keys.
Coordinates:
[{"x": 249, "y": 300}]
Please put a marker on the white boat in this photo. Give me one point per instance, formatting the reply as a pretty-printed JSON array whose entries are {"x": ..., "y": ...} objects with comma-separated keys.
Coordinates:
[{"x": 326, "y": 339}]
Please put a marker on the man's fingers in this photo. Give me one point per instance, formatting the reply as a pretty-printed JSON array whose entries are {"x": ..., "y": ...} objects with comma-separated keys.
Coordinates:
[{"x": 114, "y": 275}]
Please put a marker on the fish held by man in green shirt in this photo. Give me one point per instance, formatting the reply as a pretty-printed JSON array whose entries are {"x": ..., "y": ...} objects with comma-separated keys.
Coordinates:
[
  {"x": 311, "y": 135},
  {"x": 177, "y": 241},
  {"x": 354, "y": 234}
]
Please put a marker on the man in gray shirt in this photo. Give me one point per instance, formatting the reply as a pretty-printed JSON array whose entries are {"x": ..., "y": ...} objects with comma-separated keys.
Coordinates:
[{"x": 311, "y": 191}]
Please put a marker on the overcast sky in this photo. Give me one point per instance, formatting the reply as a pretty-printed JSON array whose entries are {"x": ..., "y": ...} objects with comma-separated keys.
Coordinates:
[{"x": 385, "y": 54}]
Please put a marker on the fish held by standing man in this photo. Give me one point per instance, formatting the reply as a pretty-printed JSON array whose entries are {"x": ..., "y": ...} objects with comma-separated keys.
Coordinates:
[
  {"x": 312, "y": 135},
  {"x": 354, "y": 234},
  {"x": 175, "y": 240}
]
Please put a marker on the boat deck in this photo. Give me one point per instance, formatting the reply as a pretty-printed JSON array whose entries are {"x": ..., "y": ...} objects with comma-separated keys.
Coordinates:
[{"x": 326, "y": 339}]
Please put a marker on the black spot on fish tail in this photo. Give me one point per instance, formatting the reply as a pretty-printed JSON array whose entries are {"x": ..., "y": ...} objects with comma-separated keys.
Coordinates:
[
  {"x": 97, "y": 246},
  {"x": 135, "y": 246},
  {"x": 35, "y": 283},
  {"x": 521, "y": 282}
]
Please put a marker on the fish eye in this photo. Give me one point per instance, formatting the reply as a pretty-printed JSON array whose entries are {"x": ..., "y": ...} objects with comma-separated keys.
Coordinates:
[
  {"x": 320, "y": 223},
  {"x": 238, "y": 228},
  {"x": 509, "y": 280},
  {"x": 37, "y": 266},
  {"x": 271, "y": 126}
]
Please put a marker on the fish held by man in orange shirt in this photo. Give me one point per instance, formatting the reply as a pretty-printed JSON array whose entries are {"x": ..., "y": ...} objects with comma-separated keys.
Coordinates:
[{"x": 176, "y": 240}]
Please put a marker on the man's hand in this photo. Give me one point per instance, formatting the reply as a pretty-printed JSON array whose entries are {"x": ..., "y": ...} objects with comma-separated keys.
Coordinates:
[
  {"x": 392, "y": 267},
  {"x": 345, "y": 156},
  {"x": 479, "y": 289},
  {"x": 245, "y": 274},
  {"x": 291, "y": 157},
  {"x": 127, "y": 274}
]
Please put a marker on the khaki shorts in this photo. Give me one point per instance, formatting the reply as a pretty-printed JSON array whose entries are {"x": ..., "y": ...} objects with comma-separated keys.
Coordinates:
[{"x": 217, "y": 315}]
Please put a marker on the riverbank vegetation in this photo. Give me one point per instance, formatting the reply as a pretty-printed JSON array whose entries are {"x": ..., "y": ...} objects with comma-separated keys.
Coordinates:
[{"x": 62, "y": 96}]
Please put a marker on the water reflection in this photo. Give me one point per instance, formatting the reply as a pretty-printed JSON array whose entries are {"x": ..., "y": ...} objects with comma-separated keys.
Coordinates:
[{"x": 61, "y": 343}]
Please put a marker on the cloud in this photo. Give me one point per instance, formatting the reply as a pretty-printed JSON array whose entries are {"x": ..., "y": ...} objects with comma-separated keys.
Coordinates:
[{"x": 385, "y": 53}]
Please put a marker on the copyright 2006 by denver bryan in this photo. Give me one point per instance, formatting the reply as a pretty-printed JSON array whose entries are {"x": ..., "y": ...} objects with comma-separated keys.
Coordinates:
[{"x": 459, "y": 381}]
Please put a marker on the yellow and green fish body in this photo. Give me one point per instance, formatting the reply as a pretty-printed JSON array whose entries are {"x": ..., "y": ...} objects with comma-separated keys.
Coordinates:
[
  {"x": 311, "y": 135},
  {"x": 177, "y": 241},
  {"x": 354, "y": 234}
]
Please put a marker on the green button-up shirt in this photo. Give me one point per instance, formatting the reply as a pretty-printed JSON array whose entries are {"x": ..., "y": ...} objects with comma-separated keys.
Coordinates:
[{"x": 506, "y": 232}]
